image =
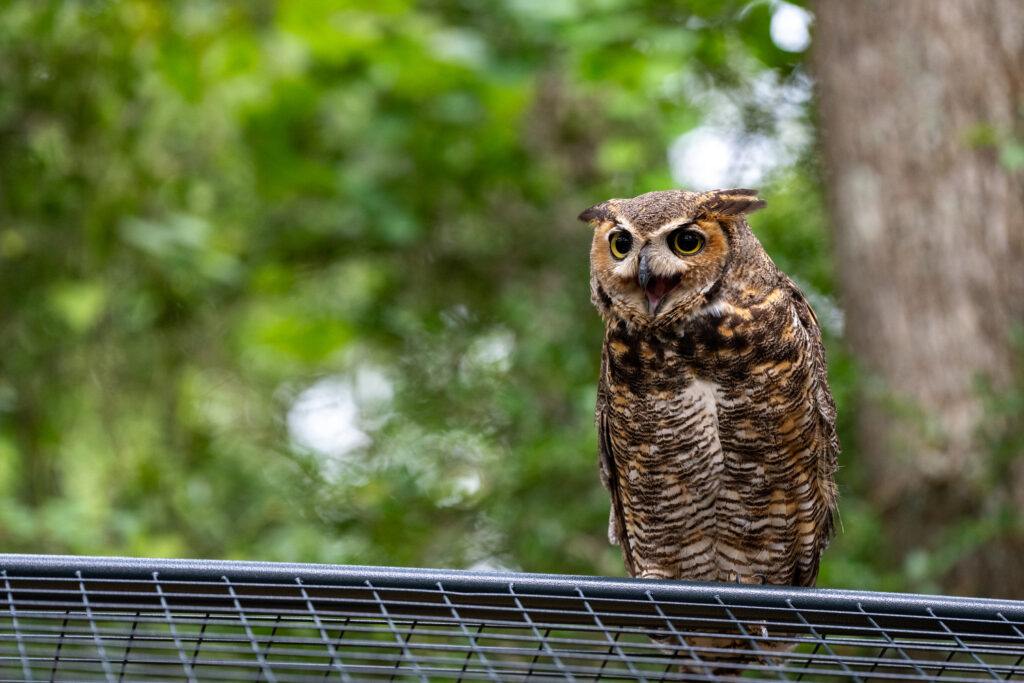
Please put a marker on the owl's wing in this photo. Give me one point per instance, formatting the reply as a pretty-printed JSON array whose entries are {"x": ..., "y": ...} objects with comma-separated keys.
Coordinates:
[
  {"x": 824, "y": 446},
  {"x": 609, "y": 472}
]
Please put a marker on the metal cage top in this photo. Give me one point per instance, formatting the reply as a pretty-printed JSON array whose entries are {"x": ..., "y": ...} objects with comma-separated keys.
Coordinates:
[{"x": 119, "y": 619}]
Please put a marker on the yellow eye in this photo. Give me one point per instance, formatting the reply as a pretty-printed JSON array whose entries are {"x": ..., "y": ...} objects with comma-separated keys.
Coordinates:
[
  {"x": 686, "y": 242},
  {"x": 620, "y": 243}
]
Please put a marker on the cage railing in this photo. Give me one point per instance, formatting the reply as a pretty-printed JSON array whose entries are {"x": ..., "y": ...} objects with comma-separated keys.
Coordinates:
[{"x": 124, "y": 619}]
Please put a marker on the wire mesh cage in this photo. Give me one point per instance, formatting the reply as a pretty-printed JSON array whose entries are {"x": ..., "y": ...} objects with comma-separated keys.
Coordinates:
[{"x": 113, "y": 619}]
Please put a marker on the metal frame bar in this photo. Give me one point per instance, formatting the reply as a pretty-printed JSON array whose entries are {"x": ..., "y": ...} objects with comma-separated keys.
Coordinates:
[
  {"x": 142, "y": 569},
  {"x": 81, "y": 617}
]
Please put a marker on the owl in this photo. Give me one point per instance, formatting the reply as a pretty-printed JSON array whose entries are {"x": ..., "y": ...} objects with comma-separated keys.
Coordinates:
[{"x": 716, "y": 426}]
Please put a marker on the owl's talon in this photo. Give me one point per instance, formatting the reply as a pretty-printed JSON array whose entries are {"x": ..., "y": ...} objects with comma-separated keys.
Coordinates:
[{"x": 754, "y": 580}]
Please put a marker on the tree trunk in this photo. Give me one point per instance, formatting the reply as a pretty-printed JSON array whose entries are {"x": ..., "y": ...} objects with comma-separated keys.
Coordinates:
[{"x": 922, "y": 122}]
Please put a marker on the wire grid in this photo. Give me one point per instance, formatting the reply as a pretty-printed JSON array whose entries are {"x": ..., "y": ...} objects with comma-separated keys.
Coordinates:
[{"x": 116, "y": 619}]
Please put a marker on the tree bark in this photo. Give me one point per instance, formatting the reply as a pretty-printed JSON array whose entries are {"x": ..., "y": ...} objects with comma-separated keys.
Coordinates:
[{"x": 921, "y": 105}]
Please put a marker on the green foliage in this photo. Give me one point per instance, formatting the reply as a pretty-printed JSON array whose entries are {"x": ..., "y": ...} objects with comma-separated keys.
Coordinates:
[{"x": 208, "y": 207}]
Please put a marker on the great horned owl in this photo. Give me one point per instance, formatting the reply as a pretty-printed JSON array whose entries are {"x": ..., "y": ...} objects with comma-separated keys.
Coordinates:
[{"x": 715, "y": 422}]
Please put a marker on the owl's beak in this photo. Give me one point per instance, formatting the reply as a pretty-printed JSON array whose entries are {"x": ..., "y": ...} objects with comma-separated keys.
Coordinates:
[
  {"x": 643, "y": 278},
  {"x": 643, "y": 275},
  {"x": 655, "y": 287}
]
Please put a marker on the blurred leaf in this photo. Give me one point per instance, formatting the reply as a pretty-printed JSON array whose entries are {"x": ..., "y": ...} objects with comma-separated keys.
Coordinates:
[
  {"x": 209, "y": 209},
  {"x": 78, "y": 303}
]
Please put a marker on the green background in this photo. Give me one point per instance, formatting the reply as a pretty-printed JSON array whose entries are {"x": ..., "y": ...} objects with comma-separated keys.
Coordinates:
[{"x": 207, "y": 208}]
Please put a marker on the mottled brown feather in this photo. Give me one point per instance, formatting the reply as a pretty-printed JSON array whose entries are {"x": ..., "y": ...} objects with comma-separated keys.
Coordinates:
[
  {"x": 722, "y": 203},
  {"x": 716, "y": 425}
]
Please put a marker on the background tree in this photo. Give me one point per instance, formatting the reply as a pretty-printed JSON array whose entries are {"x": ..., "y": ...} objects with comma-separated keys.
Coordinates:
[{"x": 922, "y": 112}]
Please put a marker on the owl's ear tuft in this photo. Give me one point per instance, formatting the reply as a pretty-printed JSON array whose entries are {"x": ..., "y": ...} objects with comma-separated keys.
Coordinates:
[
  {"x": 730, "y": 202},
  {"x": 597, "y": 214}
]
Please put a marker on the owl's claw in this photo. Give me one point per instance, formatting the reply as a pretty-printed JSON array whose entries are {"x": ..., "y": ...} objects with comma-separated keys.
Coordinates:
[{"x": 753, "y": 579}]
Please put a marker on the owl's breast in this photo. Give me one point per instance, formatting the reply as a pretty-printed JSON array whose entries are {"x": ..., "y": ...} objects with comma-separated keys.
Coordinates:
[
  {"x": 663, "y": 425},
  {"x": 709, "y": 437}
]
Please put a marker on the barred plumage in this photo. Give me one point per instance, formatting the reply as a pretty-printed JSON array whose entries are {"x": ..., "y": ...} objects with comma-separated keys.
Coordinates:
[{"x": 717, "y": 428}]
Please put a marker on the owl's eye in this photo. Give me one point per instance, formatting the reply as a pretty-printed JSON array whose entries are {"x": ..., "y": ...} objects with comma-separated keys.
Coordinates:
[
  {"x": 621, "y": 242},
  {"x": 686, "y": 242}
]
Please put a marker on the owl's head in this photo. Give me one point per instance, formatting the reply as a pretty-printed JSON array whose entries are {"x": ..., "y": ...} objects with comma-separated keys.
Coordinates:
[{"x": 657, "y": 258}]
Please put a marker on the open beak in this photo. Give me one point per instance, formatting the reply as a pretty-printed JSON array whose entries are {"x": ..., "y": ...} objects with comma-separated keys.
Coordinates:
[{"x": 655, "y": 287}]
